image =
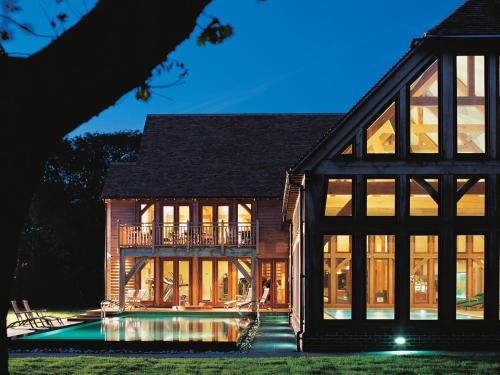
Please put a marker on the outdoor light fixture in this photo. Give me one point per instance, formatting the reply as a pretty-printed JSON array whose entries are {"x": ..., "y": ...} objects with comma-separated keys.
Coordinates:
[{"x": 400, "y": 340}]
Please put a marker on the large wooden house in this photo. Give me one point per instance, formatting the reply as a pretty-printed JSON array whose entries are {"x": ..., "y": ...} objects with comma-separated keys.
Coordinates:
[
  {"x": 197, "y": 220},
  {"x": 387, "y": 232}
]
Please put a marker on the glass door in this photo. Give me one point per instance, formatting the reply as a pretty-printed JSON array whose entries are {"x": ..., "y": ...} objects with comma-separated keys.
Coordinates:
[{"x": 175, "y": 281}]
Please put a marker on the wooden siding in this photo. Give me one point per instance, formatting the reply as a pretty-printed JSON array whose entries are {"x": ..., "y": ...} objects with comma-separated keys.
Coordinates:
[
  {"x": 274, "y": 238},
  {"x": 123, "y": 210}
]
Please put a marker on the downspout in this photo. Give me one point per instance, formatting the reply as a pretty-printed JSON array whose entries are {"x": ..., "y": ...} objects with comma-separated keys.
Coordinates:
[
  {"x": 290, "y": 271},
  {"x": 301, "y": 260}
]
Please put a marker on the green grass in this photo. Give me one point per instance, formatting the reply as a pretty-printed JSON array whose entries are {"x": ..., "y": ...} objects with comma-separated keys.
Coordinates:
[
  {"x": 60, "y": 313},
  {"x": 344, "y": 364}
]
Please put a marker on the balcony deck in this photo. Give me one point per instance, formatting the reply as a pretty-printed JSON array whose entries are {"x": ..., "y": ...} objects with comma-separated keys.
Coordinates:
[{"x": 188, "y": 235}]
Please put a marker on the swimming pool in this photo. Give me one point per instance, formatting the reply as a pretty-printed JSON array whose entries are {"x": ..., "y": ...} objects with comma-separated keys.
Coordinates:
[
  {"x": 381, "y": 313},
  {"x": 164, "y": 330}
]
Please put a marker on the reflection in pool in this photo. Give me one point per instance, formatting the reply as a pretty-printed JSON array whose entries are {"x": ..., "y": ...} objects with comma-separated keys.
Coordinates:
[{"x": 153, "y": 327}]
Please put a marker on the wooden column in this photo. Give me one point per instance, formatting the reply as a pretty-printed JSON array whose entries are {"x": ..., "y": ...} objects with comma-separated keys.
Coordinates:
[
  {"x": 402, "y": 115},
  {"x": 122, "y": 279},
  {"x": 402, "y": 254},
  {"x": 492, "y": 104},
  {"x": 314, "y": 201},
  {"x": 447, "y": 252},
  {"x": 447, "y": 136},
  {"x": 359, "y": 254},
  {"x": 491, "y": 256}
]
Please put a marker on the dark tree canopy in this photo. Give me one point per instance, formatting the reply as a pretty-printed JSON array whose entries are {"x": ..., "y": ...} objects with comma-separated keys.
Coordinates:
[{"x": 61, "y": 246}]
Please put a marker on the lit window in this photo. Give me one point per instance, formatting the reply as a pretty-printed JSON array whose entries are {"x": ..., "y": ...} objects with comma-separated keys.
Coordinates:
[
  {"x": 471, "y": 197},
  {"x": 347, "y": 150},
  {"x": 381, "y": 197},
  {"x": 337, "y": 283},
  {"x": 424, "y": 112},
  {"x": 470, "y": 105},
  {"x": 470, "y": 277},
  {"x": 424, "y": 196},
  {"x": 423, "y": 277},
  {"x": 339, "y": 197},
  {"x": 380, "y": 276},
  {"x": 381, "y": 134}
]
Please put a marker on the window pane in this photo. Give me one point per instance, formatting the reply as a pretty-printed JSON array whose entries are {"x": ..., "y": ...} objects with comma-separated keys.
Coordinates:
[
  {"x": 470, "y": 104},
  {"x": 423, "y": 277},
  {"x": 339, "y": 198},
  {"x": 470, "y": 277},
  {"x": 148, "y": 280},
  {"x": 168, "y": 281},
  {"x": 206, "y": 280},
  {"x": 184, "y": 281},
  {"x": 424, "y": 112},
  {"x": 421, "y": 202},
  {"x": 337, "y": 277},
  {"x": 280, "y": 274},
  {"x": 381, "y": 197},
  {"x": 380, "y": 250},
  {"x": 347, "y": 150},
  {"x": 472, "y": 203},
  {"x": 381, "y": 135},
  {"x": 222, "y": 280}
]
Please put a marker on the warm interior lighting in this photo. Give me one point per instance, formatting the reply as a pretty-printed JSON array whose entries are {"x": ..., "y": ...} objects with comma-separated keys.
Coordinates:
[
  {"x": 339, "y": 197},
  {"x": 381, "y": 134}
]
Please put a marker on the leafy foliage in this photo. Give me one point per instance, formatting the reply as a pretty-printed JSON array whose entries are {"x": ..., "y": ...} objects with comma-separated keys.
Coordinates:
[
  {"x": 62, "y": 245},
  {"x": 214, "y": 33}
]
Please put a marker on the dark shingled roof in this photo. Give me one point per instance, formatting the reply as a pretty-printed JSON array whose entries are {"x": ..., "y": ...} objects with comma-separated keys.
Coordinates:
[
  {"x": 216, "y": 155},
  {"x": 474, "y": 17}
]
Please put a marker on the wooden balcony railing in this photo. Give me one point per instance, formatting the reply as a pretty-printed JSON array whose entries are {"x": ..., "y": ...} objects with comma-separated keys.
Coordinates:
[{"x": 188, "y": 234}]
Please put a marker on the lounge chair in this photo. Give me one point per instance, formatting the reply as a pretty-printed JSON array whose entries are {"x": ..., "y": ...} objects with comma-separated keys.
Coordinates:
[
  {"x": 23, "y": 319},
  {"x": 234, "y": 302},
  {"x": 130, "y": 298},
  {"x": 136, "y": 300},
  {"x": 264, "y": 297},
  {"x": 40, "y": 314},
  {"x": 248, "y": 300},
  {"x": 473, "y": 302},
  {"x": 479, "y": 296}
]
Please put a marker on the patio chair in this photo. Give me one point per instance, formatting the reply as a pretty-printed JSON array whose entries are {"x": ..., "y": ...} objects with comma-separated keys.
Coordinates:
[
  {"x": 23, "y": 319},
  {"x": 130, "y": 296},
  {"x": 136, "y": 301},
  {"x": 40, "y": 314},
  {"x": 247, "y": 300},
  {"x": 263, "y": 299},
  {"x": 232, "y": 303},
  {"x": 473, "y": 302}
]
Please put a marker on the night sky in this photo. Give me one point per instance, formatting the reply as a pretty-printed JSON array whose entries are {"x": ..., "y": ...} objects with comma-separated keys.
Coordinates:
[{"x": 285, "y": 56}]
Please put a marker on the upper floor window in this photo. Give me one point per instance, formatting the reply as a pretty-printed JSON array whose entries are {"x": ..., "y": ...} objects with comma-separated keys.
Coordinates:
[
  {"x": 471, "y": 126},
  {"x": 380, "y": 197},
  {"x": 424, "y": 196},
  {"x": 381, "y": 134},
  {"x": 424, "y": 112},
  {"x": 339, "y": 197},
  {"x": 471, "y": 197}
]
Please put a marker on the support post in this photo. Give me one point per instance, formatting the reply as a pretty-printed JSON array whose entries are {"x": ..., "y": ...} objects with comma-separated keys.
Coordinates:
[
  {"x": 254, "y": 281},
  {"x": 122, "y": 280}
]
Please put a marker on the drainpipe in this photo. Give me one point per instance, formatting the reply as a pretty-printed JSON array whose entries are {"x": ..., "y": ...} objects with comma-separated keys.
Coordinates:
[
  {"x": 290, "y": 272},
  {"x": 301, "y": 260}
]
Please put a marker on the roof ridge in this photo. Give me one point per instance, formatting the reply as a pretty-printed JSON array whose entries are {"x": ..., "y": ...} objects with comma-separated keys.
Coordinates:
[{"x": 245, "y": 114}]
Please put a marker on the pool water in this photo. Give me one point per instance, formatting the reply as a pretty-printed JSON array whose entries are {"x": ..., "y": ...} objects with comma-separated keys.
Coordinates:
[
  {"x": 153, "y": 327},
  {"x": 381, "y": 313}
]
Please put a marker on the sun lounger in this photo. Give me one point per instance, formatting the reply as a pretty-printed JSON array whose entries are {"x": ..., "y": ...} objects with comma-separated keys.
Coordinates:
[
  {"x": 263, "y": 298},
  {"x": 23, "y": 319},
  {"x": 40, "y": 314},
  {"x": 234, "y": 302},
  {"x": 248, "y": 300},
  {"x": 474, "y": 302}
]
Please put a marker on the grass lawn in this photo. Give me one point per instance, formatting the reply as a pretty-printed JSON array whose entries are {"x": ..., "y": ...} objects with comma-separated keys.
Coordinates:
[
  {"x": 60, "y": 313},
  {"x": 344, "y": 364}
]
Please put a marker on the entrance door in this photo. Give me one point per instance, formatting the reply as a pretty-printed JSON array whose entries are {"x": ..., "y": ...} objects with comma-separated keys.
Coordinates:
[
  {"x": 175, "y": 281},
  {"x": 273, "y": 275}
]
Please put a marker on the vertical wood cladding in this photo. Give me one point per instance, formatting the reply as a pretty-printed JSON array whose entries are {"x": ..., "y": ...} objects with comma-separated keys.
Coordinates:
[{"x": 274, "y": 239}]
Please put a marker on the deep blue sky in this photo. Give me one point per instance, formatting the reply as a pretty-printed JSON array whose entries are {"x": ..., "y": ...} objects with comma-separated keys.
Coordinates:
[{"x": 285, "y": 56}]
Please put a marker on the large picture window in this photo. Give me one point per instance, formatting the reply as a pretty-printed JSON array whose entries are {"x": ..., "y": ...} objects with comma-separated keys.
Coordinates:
[
  {"x": 423, "y": 277},
  {"x": 381, "y": 134},
  {"x": 381, "y": 197},
  {"x": 339, "y": 197},
  {"x": 380, "y": 276},
  {"x": 424, "y": 112},
  {"x": 470, "y": 277},
  {"x": 471, "y": 127},
  {"x": 337, "y": 281}
]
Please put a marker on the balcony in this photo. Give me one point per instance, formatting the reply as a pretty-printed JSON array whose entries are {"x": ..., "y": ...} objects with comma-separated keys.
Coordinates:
[{"x": 187, "y": 235}]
